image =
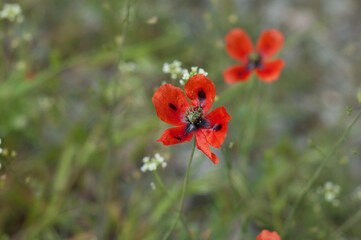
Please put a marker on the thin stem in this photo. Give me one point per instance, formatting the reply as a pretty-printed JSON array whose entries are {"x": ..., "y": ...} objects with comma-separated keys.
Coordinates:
[
  {"x": 103, "y": 219},
  {"x": 185, "y": 183},
  {"x": 228, "y": 165},
  {"x": 164, "y": 189},
  {"x": 316, "y": 174}
]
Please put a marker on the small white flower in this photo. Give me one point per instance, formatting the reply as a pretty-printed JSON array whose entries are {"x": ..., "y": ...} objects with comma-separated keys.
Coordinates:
[
  {"x": 166, "y": 68},
  {"x": 12, "y": 12},
  {"x": 330, "y": 192},
  {"x": 201, "y": 71},
  {"x": 174, "y": 69},
  {"x": 151, "y": 164},
  {"x": 194, "y": 69},
  {"x": 159, "y": 158},
  {"x": 185, "y": 76},
  {"x": 181, "y": 82},
  {"x": 144, "y": 168},
  {"x": 173, "y": 76},
  {"x": 146, "y": 159},
  {"x": 177, "y": 64}
]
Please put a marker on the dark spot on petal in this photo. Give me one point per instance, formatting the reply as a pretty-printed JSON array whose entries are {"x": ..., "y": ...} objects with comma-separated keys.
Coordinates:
[
  {"x": 171, "y": 105},
  {"x": 217, "y": 127},
  {"x": 178, "y": 138},
  {"x": 201, "y": 95}
]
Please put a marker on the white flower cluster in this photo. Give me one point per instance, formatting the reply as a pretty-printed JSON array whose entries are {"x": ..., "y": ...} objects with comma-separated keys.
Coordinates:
[
  {"x": 12, "y": 12},
  {"x": 330, "y": 192},
  {"x": 187, "y": 75},
  {"x": 175, "y": 70},
  {"x": 151, "y": 164}
]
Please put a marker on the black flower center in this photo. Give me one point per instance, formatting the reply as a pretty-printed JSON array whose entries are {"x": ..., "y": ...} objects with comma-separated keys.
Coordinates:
[
  {"x": 195, "y": 120},
  {"x": 254, "y": 61}
]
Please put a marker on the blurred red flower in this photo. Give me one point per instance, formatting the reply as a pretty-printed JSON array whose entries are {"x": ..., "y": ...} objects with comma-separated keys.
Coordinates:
[
  {"x": 239, "y": 46},
  {"x": 267, "y": 235},
  {"x": 172, "y": 107}
]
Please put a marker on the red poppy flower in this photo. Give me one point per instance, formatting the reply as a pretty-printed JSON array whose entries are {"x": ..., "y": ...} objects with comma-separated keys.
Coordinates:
[
  {"x": 267, "y": 235},
  {"x": 239, "y": 46},
  {"x": 172, "y": 107}
]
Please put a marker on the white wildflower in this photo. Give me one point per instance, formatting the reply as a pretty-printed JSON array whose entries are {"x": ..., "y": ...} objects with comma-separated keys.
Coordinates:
[
  {"x": 151, "y": 164},
  {"x": 144, "y": 168},
  {"x": 201, "y": 71},
  {"x": 330, "y": 192},
  {"x": 194, "y": 69},
  {"x": 146, "y": 159},
  {"x": 166, "y": 68},
  {"x": 12, "y": 12},
  {"x": 1, "y": 150},
  {"x": 152, "y": 185},
  {"x": 188, "y": 74},
  {"x": 173, "y": 76},
  {"x": 185, "y": 75},
  {"x": 159, "y": 158},
  {"x": 174, "y": 69}
]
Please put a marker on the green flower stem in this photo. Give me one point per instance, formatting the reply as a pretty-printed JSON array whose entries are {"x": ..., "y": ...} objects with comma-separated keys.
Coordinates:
[
  {"x": 234, "y": 191},
  {"x": 316, "y": 175},
  {"x": 106, "y": 180},
  {"x": 185, "y": 183},
  {"x": 164, "y": 189}
]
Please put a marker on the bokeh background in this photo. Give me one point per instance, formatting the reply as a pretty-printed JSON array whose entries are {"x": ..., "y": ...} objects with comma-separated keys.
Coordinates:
[{"x": 76, "y": 119}]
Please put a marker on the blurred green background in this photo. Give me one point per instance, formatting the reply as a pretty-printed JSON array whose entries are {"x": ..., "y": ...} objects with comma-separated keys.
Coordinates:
[{"x": 76, "y": 119}]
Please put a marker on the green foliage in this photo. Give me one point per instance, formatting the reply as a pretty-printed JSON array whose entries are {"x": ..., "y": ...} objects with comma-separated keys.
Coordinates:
[{"x": 77, "y": 119}]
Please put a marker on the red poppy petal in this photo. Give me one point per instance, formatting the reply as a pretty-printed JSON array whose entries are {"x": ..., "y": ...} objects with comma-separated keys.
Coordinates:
[
  {"x": 270, "y": 71},
  {"x": 238, "y": 44},
  {"x": 170, "y": 104},
  {"x": 202, "y": 145},
  {"x": 175, "y": 135},
  {"x": 218, "y": 124},
  {"x": 236, "y": 73},
  {"x": 201, "y": 92},
  {"x": 267, "y": 235},
  {"x": 270, "y": 42}
]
